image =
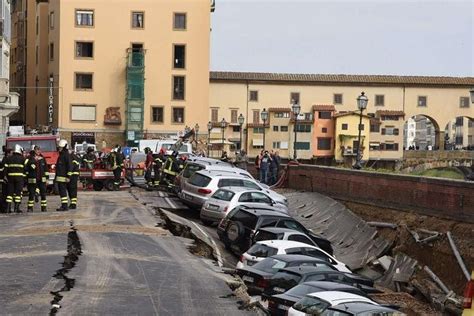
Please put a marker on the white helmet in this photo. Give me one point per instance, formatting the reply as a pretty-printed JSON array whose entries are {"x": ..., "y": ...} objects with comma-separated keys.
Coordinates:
[
  {"x": 62, "y": 143},
  {"x": 18, "y": 149}
]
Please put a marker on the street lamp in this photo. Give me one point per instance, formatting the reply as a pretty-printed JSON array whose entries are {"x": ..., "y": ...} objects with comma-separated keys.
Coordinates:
[
  {"x": 209, "y": 128},
  {"x": 362, "y": 101},
  {"x": 295, "y": 108},
  {"x": 264, "y": 117},
  {"x": 196, "y": 134},
  {"x": 241, "y": 120},
  {"x": 223, "y": 126}
]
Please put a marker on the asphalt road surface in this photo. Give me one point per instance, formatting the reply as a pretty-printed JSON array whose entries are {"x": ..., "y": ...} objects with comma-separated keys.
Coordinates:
[{"x": 107, "y": 257}]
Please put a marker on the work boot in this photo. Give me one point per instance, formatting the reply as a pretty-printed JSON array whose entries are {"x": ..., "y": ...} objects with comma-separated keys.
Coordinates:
[
  {"x": 63, "y": 208},
  {"x": 44, "y": 209},
  {"x": 17, "y": 208},
  {"x": 29, "y": 209},
  {"x": 72, "y": 206}
]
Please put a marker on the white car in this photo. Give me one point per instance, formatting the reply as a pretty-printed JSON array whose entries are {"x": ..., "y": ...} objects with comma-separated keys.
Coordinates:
[
  {"x": 268, "y": 248},
  {"x": 318, "y": 303}
]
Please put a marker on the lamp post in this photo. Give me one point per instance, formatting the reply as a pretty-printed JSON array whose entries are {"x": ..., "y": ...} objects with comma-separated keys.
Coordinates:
[
  {"x": 295, "y": 108},
  {"x": 264, "y": 117},
  {"x": 196, "y": 135},
  {"x": 209, "y": 128},
  {"x": 223, "y": 126},
  {"x": 362, "y": 101},
  {"x": 241, "y": 120}
]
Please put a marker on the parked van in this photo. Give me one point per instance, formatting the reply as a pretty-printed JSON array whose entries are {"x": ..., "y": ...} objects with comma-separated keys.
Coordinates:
[{"x": 156, "y": 144}]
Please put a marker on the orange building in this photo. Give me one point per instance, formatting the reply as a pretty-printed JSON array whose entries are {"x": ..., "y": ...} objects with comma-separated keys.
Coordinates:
[{"x": 323, "y": 131}]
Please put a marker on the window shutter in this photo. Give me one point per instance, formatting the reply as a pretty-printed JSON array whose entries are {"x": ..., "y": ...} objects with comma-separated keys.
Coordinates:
[
  {"x": 383, "y": 131},
  {"x": 395, "y": 131}
]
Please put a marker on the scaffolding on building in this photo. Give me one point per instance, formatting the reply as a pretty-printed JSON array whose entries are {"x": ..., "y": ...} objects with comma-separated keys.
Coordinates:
[{"x": 135, "y": 98}]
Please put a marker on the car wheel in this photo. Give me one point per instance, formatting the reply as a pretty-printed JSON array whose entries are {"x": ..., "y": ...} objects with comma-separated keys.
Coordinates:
[{"x": 235, "y": 231}]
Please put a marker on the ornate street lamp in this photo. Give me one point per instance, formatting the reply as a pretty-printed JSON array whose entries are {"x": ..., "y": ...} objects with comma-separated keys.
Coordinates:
[
  {"x": 295, "y": 108},
  {"x": 209, "y": 128},
  {"x": 264, "y": 117},
  {"x": 223, "y": 126},
  {"x": 362, "y": 101},
  {"x": 196, "y": 134},
  {"x": 241, "y": 120}
]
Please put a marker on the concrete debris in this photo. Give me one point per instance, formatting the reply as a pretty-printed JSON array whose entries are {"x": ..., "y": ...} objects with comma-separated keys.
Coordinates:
[
  {"x": 383, "y": 225},
  {"x": 385, "y": 262},
  {"x": 437, "y": 280}
]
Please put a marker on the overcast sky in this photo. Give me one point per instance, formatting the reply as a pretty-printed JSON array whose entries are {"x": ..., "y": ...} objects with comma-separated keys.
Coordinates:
[{"x": 404, "y": 37}]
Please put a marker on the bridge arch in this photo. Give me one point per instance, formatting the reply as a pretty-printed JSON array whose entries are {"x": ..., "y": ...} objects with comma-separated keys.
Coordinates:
[
  {"x": 459, "y": 133},
  {"x": 422, "y": 132}
]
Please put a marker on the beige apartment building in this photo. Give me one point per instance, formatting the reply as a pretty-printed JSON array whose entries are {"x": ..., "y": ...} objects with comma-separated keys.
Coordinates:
[
  {"x": 117, "y": 70},
  {"x": 440, "y": 99}
]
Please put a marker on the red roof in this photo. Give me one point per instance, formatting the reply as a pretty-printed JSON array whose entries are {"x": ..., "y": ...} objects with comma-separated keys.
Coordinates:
[
  {"x": 392, "y": 113},
  {"x": 279, "y": 110},
  {"x": 323, "y": 107}
]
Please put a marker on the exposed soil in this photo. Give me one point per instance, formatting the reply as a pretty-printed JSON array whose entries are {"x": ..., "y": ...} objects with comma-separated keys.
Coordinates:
[
  {"x": 437, "y": 255},
  {"x": 408, "y": 304}
]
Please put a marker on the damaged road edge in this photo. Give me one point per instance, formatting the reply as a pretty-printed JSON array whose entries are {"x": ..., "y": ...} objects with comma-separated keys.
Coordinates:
[{"x": 74, "y": 250}]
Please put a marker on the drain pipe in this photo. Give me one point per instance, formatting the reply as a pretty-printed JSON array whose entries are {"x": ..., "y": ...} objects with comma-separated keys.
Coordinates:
[{"x": 458, "y": 256}]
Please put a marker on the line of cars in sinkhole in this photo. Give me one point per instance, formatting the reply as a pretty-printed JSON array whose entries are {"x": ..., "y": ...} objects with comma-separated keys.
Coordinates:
[{"x": 292, "y": 268}]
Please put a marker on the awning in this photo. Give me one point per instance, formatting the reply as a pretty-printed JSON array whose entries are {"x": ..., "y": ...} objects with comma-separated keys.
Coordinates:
[
  {"x": 257, "y": 142},
  {"x": 226, "y": 142}
]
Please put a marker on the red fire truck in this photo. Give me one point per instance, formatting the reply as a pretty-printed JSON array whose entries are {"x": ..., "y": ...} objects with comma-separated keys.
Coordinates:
[{"x": 47, "y": 143}]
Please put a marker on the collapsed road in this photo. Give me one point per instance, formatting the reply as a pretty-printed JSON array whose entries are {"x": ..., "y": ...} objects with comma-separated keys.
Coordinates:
[{"x": 110, "y": 256}]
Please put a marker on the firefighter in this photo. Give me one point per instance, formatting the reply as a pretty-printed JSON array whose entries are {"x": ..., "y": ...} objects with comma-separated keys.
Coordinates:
[
  {"x": 63, "y": 167},
  {"x": 116, "y": 161},
  {"x": 3, "y": 182},
  {"x": 158, "y": 160},
  {"x": 148, "y": 168},
  {"x": 42, "y": 177},
  {"x": 15, "y": 172},
  {"x": 181, "y": 163},
  {"x": 31, "y": 175},
  {"x": 73, "y": 178},
  {"x": 170, "y": 169},
  {"x": 89, "y": 159}
]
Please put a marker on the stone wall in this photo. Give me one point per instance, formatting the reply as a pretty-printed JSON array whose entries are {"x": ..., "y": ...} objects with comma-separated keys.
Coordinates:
[{"x": 438, "y": 197}]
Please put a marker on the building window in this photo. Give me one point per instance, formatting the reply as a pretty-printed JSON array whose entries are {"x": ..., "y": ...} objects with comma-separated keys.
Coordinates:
[
  {"x": 258, "y": 130},
  {"x": 253, "y": 95},
  {"x": 138, "y": 20},
  {"x": 178, "y": 115},
  {"x": 51, "y": 20},
  {"x": 51, "y": 51},
  {"x": 324, "y": 130},
  {"x": 276, "y": 145},
  {"x": 179, "y": 57},
  {"x": 84, "y": 18},
  {"x": 422, "y": 101},
  {"x": 236, "y": 129},
  {"x": 179, "y": 21},
  {"x": 338, "y": 98},
  {"x": 157, "y": 114},
  {"x": 256, "y": 116},
  {"x": 464, "y": 102},
  {"x": 136, "y": 114},
  {"x": 83, "y": 112},
  {"x": 324, "y": 143},
  {"x": 83, "y": 81},
  {"x": 389, "y": 146},
  {"x": 303, "y": 128},
  {"x": 302, "y": 145},
  {"x": 233, "y": 116},
  {"x": 295, "y": 96},
  {"x": 283, "y": 128},
  {"x": 282, "y": 115},
  {"x": 275, "y": 128},
  {"x": 390, "y": 131},
  {"x": 345, "y": 127},
  {"x": 325, "y": 115},
  {"x": 178, "y": 87},
  {"x": 214, "y": 115},
  {"x": 375, "y": 128},
  {"x": 379, "y": 100},
  {"x": 85, "y": 49},
  {"x": 390, "y": 117}
]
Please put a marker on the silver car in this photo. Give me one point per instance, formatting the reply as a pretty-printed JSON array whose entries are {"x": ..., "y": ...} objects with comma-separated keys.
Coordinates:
[
  {"x": 199, "y": 188},
  {"x": 226, "y": 199}
]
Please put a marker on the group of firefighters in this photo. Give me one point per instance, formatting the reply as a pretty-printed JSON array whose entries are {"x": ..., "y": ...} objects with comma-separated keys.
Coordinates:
[
  {"x": 161, "y": 169},
  {"x": 16, "y": 170}
]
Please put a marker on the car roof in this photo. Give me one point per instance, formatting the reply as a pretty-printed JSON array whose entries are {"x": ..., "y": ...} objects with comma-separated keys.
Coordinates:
[
  {"x": 285, "y": 244},
  {"x": 329, "y": 286},
  {"x": 339, "y": 297},
  {"x": 361, "y": 307},
  {"x": 240, "y": 189},
  {"x": 281, "y": 230},
  {"x": 305, "y": 270},
  {"x": 230, "y": 173},
  {"x": 263, "y": 210},
  {"x": 292, "y": 258}
]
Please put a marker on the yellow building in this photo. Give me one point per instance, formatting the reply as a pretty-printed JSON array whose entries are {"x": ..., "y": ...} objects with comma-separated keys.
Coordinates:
[
  {"x": 386, "y": 135},
  {"x": 347, "y": 136},
  {"x": 120, "y": 70}
]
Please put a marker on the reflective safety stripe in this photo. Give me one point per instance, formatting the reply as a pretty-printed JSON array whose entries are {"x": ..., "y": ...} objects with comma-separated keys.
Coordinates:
[
  {"x": 75, "y": 173},
  {"x": 37, "y": 190},
  {"x": 31, "y": 203},
  {"x": 77, "y": 163},
  {"x": 44, "y": 179},
  {"x": 17, "y": 199},
  {"x": 33, "y": 166},
  {"x": 170, "y": 172},
  {"x": 61, "y": 179},
  {"x": 64, "y": 200},
  {"x": 31, "y": 181},
  {"x": 44, "y": 203},
  {"x": 16, "y": 174},
  {"x": 9, "y": 199},
  {"x": 14, "y": 166}
]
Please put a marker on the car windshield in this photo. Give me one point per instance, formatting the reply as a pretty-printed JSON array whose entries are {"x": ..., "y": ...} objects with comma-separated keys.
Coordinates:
[
  {"x": 302, "y": 289},
  {"x": 270, "y": 265},
  {"x": 262, "y": 251},
  {"x": 223, "y": 195},
  {"x": 191, "y": 169},
  {"x": 286, "y": 279},
  {"x": 199, "y": 180},
  {"x": 264, "y": 235},
  {"x": 311, "y": 305},
  {"x": 44, "y": 144}
]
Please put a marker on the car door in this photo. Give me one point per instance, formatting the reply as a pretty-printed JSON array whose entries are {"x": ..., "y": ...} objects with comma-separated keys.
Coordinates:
[{"x": 312, "y": 252}]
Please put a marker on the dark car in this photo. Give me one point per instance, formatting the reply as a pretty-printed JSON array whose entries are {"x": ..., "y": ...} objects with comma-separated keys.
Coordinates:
[
  {"x": 280, "y": 303},
  {"x": 238, "y": 228},
  {"x": 288, "y": 278},
  {"x": 256, "y": 278}
]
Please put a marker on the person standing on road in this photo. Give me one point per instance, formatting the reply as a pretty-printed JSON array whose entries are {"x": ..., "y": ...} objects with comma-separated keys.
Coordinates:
[
  {"x": 265, "y": 163},
  {"x": 89, "y": 159},
  {"x": 117, "y": 166},
  {"x": 73, "y": 179},
  {"x": 148, "y": 167},
  {"x": 31, "y": 175},
  {"x": 42, "y": 177},
  {"x": 224, "y": 157},
  {"x": 275, "y": 166},
  {"x": 63, "y": 168},
  {"x": 170, "y": 169},
  {"x": 15, "y": 172},
  {"x": 158, "y": 160},
  {"x": 3, "y": 182}
]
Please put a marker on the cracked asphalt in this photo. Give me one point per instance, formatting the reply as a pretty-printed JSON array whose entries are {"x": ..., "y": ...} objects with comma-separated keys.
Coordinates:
[{"x": 127, "y": 264}]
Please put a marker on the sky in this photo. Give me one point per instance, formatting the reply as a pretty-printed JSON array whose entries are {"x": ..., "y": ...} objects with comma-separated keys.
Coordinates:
[{"x": 404, "y": 37}]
